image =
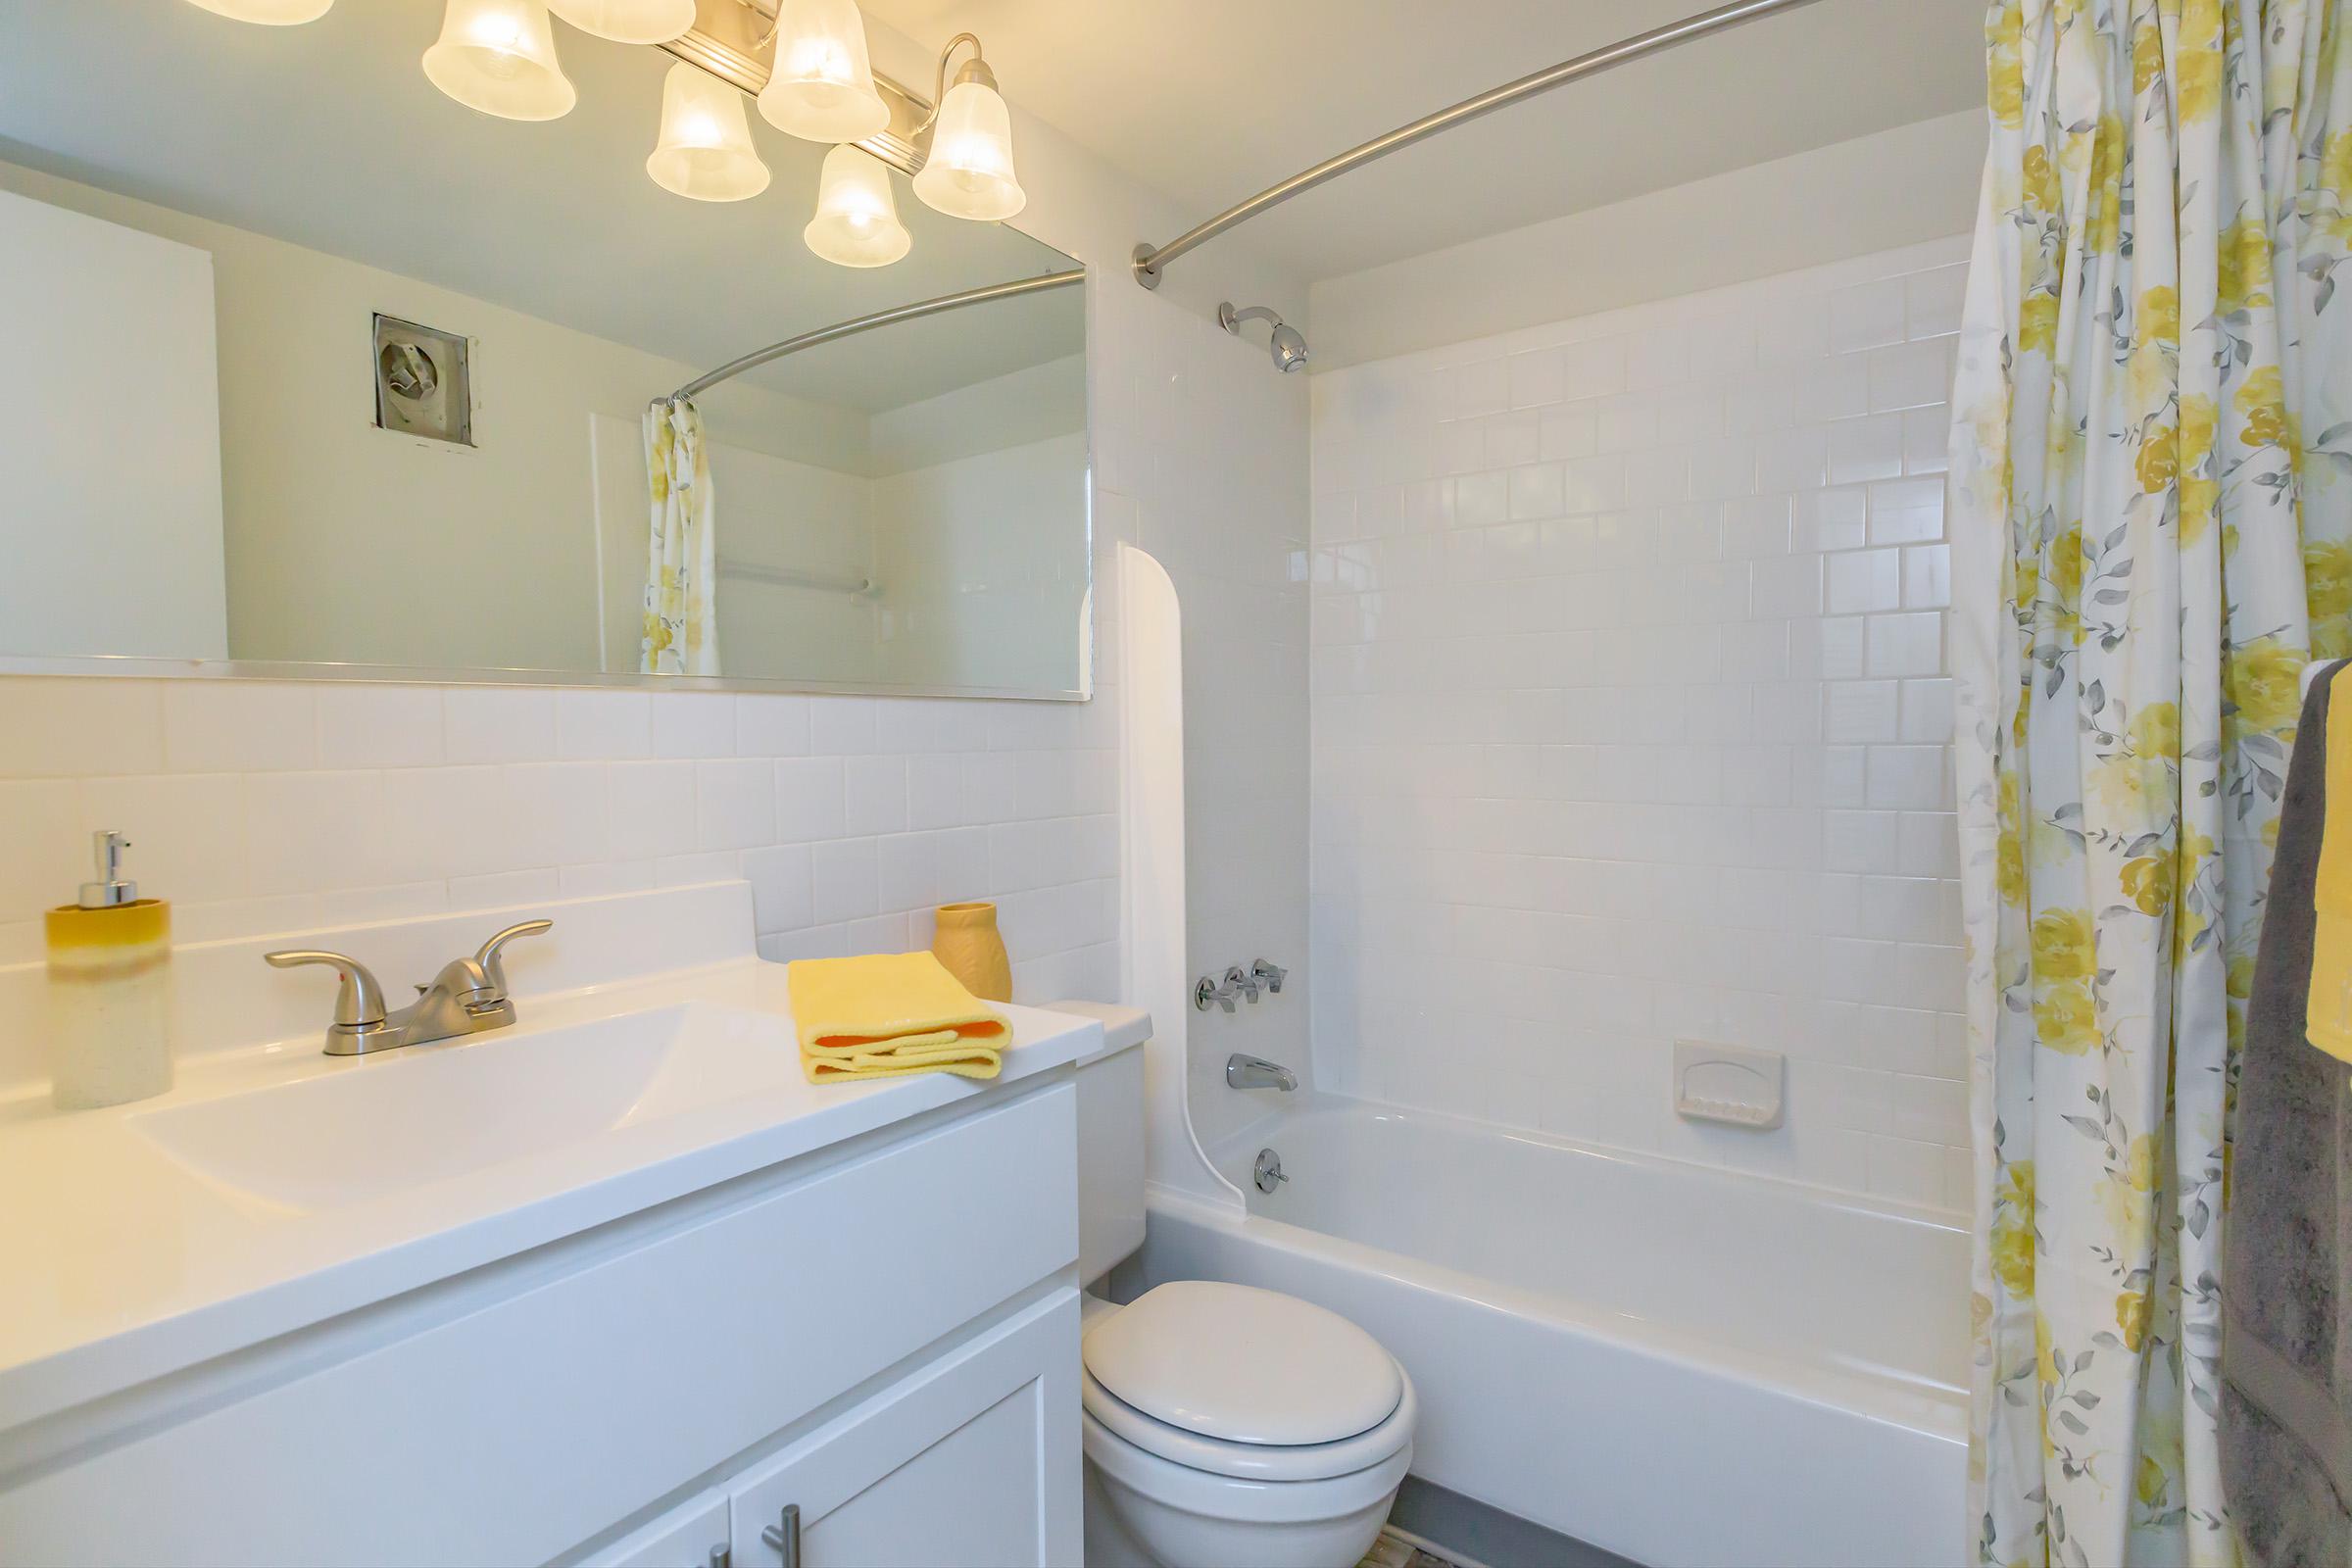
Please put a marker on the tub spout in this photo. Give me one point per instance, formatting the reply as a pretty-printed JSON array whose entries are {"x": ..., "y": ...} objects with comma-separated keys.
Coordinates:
[{"x": 1256, "y": 1072}]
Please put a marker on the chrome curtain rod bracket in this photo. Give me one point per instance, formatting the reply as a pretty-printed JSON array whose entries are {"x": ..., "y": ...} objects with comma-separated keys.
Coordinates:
[
  {"x": 1150, "y": 260},
  {"x": 867, "y": 324}
]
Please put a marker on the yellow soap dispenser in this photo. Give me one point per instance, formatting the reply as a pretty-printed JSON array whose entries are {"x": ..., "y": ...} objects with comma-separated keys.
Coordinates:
[{"x": 110, "y": 989}]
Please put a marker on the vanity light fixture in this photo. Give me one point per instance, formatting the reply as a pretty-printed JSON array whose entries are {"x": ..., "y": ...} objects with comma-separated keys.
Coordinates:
[
  {"x": 269, "y": 12},
  {"x": 969, "y": 169},
  {"x": 821, "y": 85},
  {"x": 498, "y": 56},
  {"x": 706, "y": 147},
  {"x": 628, "y": 20},
  {"x": 857, "y": 221}
]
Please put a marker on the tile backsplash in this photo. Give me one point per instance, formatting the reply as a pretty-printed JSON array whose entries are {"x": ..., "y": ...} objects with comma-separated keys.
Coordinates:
[
  {"x": 1631, "y": 722},
  {"x": 260, "y": 807}
]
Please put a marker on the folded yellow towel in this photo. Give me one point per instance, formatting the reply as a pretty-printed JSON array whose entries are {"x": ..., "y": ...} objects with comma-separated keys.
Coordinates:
[
  {"x": 887, "y": 1014},
  {"x": 2328, "y": 1018}
]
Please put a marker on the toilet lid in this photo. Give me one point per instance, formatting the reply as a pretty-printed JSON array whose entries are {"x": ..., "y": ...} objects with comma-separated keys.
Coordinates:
[{"x": 1244, "y": 1365}]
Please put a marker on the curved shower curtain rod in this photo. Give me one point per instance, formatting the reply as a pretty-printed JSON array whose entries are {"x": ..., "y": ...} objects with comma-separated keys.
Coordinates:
[
  {"x": 1150, "y": 258},
  {"x": 867, "y": 324}
]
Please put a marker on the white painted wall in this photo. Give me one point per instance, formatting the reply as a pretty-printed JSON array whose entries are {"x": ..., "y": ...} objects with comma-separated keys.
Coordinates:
[
  {"x": 975, "y": 567},
  {"x": 1631, "y": 720},
  {"x": 1898, "y": 187},
  {"x": 352, "y": 544},
  {"x": 110, "y": 441}
]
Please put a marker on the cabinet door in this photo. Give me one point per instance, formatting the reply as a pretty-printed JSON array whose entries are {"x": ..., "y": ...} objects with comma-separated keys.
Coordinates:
[
  {"x": 693, "y": 1535},
  {"x": 970, "y": 1462}
]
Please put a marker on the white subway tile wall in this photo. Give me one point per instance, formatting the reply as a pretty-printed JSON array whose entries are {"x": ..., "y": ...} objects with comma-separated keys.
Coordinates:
[
  {"x": 245, "y": 811},
  {"x": 1632, "y": 724}
]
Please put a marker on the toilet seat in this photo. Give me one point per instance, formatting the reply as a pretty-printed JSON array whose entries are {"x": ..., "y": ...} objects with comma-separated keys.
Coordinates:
[
  {"x": 1252, "y": 1461},
  {"x": 1240, "y": 1364},
  {"x": 1234, "y": 1381}
]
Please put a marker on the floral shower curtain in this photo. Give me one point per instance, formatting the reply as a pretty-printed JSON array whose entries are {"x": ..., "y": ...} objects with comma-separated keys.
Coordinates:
[
  {"x": 681, "y": 569},
  {"x": 2151, "y": 498}
]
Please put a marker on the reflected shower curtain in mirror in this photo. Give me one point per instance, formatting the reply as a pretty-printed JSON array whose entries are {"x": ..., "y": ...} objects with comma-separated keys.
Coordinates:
[
  {"x": 2151, "y": 498},
  {"x": 681, "y": 569}
]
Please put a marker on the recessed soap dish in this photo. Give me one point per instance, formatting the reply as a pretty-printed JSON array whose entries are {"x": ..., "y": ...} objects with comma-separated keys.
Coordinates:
[{"x": 1728, "y": 1083}]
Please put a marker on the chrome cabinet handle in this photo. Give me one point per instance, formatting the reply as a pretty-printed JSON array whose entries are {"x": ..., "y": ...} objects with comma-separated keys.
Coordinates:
[
  {"x": 785, "y": 1536},
  {"x": 488, "y": 956},
  {"x": 720, "y": 1555},
  {"x": 358, "y": 1002}
]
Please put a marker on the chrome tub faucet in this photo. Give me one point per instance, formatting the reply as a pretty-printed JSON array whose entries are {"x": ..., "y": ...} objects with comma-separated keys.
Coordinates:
[{"x": 1256, "y": 1072}]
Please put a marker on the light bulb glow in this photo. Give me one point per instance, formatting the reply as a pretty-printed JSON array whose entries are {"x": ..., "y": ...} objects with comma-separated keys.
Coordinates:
[
  {"x": 969, "y": 171},
  {"x": 857, "y": 221},
  {"x": 706, "y": 147},
  {"x": 269, "y": 12},
  {"x": 498, "y": 56},
  {"x": 821, "y": 87},
  {"x": 628, "y": 20}
]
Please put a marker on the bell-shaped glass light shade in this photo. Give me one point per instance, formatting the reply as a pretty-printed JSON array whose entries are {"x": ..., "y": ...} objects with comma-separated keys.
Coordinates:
[
  {"x": 628, "y": 20},
  {"x": 857, "y": 221},
  {"x": 969, "y": 172},
  {"x": 498, "y": 56},
  {"x": 269, "y": 12},
  {"x": 706, "y": 147},
  {"x": 822, "y": 87}
]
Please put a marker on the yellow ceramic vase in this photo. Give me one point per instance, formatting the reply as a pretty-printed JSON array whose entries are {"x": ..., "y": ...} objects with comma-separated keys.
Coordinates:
[{"x": 966, "y": 943}]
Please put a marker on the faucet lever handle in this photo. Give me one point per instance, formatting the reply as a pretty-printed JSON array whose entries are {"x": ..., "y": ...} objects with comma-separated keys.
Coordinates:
[
  {"x": 488, "y": 955},
  {"x": 359, "y": 1001}
]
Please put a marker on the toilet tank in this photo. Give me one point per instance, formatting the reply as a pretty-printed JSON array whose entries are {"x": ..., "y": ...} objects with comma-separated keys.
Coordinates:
[{"x": 1111, "y": 1137}]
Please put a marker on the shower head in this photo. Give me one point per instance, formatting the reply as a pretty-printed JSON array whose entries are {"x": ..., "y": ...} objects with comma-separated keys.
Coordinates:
[
  {"x": 1290, "y": 349},
  {"x": 1288, "y": 346}
]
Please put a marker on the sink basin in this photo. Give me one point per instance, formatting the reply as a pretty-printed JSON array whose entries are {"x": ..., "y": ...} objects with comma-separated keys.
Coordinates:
[{"x": 385, "y": 1124}]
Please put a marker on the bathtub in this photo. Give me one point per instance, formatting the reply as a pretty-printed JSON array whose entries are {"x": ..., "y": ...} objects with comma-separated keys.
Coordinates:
[{"x": 1678, "y": 1365}]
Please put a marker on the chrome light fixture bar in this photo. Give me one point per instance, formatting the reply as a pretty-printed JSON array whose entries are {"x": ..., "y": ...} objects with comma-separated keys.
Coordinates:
[
  {"x": 888, "y": 317},
  {"x": 1149, "y": 260},
  {"x": 728, "y": 41}
]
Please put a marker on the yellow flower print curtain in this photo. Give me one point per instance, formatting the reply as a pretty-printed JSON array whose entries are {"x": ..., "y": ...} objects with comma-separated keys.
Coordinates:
[
  {"x": 2151, "y": 498},
  {"x": 681, "y": 568}
]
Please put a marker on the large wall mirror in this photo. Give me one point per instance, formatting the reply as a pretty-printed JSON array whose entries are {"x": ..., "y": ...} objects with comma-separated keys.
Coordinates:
[{"x": 318, "y": 371}]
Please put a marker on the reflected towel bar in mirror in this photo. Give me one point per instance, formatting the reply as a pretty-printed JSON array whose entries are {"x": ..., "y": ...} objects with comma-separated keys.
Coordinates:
[{"x": 792, "y": 577}]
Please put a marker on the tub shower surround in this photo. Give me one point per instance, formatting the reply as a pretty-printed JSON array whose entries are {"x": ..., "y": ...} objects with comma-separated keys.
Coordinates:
[{"x": 1631, "y": 723}]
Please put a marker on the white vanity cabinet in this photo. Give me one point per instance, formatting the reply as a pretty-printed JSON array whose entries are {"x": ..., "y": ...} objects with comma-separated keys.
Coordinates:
[
  {"x": 884, "y": 1334},
  {"x": 691, "y": 1534},
  {"x": 960, "y": 1464}
]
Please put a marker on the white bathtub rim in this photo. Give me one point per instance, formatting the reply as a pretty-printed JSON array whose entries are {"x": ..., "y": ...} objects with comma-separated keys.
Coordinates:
[
  {"x": 1887, "y": 1398},
  {"x": 1263, "y": 1132}
]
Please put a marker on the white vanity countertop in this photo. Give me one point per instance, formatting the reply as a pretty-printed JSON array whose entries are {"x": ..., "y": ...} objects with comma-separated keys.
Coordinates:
[{"x": 147, "y": 1237}]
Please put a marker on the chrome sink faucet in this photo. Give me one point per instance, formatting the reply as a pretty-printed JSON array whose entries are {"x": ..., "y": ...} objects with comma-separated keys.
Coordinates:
[{"x": 468, "y": 997}]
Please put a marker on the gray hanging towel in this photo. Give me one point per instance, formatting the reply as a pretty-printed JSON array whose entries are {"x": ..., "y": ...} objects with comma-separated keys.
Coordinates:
[{"x": 2286, "y": 1343}]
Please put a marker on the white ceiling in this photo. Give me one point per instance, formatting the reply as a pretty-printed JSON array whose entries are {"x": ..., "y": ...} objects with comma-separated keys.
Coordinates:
[
  {"x": 1209, "y": 101},
  {"x": 329, "y": 136}
]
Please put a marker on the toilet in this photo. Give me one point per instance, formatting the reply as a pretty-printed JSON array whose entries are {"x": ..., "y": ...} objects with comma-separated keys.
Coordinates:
[{"x": 1224, "y": 1424}]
